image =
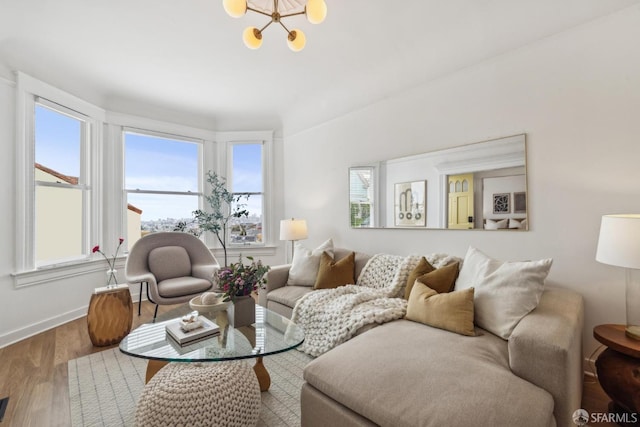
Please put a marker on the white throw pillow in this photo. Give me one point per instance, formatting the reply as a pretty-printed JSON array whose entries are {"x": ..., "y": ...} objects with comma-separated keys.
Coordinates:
[
  {"x": 514, "y": 223},
  {"x": 305, "y": 263},
  {"x": 505, "y": 292},
  {"x": 492, "y": 224}
]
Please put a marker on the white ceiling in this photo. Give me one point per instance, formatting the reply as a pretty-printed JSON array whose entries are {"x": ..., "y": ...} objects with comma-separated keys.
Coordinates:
[{"x": 184, "y": 60}]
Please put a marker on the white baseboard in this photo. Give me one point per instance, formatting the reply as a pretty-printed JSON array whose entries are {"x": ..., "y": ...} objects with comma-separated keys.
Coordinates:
[{"x": 52, "y": 322}]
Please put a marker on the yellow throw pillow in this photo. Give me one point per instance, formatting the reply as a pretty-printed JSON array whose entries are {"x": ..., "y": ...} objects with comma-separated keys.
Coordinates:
[
  {"x": 452, "y": 311},
  {"x": 441, "y": 280},
  {"x": 332, "y": 274},
  {"x": 423, "y": 267}
]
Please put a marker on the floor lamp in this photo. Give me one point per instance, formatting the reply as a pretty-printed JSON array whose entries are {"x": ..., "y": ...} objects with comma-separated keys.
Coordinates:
[
  {"x": 619, "y": 245},
  {"x": 293, "y": 230}
]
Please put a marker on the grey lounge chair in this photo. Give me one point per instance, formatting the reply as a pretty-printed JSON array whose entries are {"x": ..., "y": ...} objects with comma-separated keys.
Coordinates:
[{"x": 175, "y": 267}]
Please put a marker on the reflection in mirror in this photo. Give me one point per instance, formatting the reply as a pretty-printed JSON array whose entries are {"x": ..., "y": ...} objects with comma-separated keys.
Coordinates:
[{"x": 476, "y": 186}]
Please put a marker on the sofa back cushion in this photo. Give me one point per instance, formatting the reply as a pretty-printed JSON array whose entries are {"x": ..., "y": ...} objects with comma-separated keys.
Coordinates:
[{"x": 169, "y": 262}]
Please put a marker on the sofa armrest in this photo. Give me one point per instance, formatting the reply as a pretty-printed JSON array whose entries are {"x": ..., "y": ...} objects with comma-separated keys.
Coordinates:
[
  {"x": 545, "y": 349},
  {"x": 277, "y": 277}
]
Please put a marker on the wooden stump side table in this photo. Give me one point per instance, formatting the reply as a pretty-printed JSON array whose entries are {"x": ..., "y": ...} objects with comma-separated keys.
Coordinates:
[
  {"x": 618, "y": 369},
  {"x": 110, "y": 315}
]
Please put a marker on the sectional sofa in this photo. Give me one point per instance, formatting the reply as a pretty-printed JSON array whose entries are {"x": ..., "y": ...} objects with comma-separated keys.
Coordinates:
[{"x": 404, "y": 373}]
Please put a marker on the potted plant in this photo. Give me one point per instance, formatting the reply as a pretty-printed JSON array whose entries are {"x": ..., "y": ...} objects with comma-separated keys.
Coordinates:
[
  {"x": 238, "y": 281},
  {"x": 224, "y": 206}
]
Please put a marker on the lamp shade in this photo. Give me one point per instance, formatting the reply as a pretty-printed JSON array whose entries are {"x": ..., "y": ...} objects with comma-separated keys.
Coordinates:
[
  {"x": 252, "y": 38},
  {"x": 235, "y": 8},
  {"x": 619, "y": 241},
  {"x": 316, "y": 11},
  {"x": 293, "y": 229},
  {"x": 296, "y": 40}
]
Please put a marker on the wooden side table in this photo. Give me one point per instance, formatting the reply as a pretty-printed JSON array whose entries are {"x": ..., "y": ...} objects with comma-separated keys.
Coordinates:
[
  {"x": 618, "y": 370},
  {"x": 110, "y": 315}
]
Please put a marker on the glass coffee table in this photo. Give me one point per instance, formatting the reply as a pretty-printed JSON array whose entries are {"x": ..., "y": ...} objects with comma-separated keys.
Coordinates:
[{"x": 270, "y": 334}]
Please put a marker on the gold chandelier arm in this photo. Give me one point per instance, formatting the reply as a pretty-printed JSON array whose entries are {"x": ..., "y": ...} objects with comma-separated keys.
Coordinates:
[
  {"x": 293, "y": 14},
  {"x": 263, "y": 28},
  {"x": 285, "y": 28}
]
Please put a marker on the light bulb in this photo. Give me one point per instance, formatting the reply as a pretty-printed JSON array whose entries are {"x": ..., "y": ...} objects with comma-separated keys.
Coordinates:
[
  {"x": 316, "y": 11},
  {"x": 235, "y": 8},
  {"x": 252, "y": 38},
  {"x": 296, "y": 40}
]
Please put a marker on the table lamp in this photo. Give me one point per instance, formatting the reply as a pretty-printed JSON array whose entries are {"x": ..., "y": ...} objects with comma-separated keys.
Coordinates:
[
  {"x": 293, "y": 229},
  {"x": 619, "y": 245}
]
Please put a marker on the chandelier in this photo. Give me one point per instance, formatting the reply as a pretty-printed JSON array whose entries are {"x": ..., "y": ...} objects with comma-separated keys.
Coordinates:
[{"x": 314, "y": 10}]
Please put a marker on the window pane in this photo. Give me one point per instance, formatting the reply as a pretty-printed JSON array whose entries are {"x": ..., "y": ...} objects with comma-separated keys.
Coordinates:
[
  {"x": 361, "y": 193},
  {"x": 58, "y": 223},
  {"x": 159, "y": 164},
  {"x": 57, "y": 144},
  {"x": 148, "y": 213},
  {"x": 247, "y": 168},
  {"x": 248, "y": 229}
]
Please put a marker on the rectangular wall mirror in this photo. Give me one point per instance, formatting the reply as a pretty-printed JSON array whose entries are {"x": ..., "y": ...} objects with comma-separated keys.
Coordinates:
[{"x": 481, "y": 186}]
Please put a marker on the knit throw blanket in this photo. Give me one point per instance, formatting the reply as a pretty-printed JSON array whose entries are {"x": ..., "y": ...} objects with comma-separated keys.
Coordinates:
[{"x": 330, "y": 317}]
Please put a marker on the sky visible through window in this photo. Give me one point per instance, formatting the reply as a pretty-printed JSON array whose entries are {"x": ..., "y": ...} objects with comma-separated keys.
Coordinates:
[
  {"x": 57, "y": 139},
  {"x": 159, "y": 164}
]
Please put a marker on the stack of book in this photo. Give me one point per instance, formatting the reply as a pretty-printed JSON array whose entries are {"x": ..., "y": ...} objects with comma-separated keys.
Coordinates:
[{"x": 205, "y": 330}]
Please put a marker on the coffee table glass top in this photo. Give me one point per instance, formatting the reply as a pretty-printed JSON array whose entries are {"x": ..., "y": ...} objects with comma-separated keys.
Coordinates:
[{"x": 271, "y": 334}]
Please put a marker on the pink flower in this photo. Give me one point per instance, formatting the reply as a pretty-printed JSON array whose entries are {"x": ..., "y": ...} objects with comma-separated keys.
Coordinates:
[
  {"x": 95, "y": 249},
  {"x": 121, "y": 240}
]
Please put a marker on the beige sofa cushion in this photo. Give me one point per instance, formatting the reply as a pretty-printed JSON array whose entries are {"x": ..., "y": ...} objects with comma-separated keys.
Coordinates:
[
  {"x": 288, "y": 295},
  {"x": 404, "y": 373}
]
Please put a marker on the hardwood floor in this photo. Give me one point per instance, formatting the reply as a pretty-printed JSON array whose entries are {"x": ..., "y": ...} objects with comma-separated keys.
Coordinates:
[{"x": 33, "y": 373}]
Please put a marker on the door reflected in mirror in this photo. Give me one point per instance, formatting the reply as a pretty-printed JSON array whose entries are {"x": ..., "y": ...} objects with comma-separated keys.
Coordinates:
[{"x": 481, "y": 186}]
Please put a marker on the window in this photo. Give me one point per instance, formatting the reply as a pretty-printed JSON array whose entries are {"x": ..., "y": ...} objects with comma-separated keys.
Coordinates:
[
  {"x": 361, "y": 195},
  {"x": 247, "y": 184},
  {"x": 62, "y": 191},
  {"x": 162, "y": 182}
]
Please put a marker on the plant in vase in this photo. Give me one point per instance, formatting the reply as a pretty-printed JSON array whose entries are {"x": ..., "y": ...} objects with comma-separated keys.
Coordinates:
[
  {"x": 237, "y": 281},
  {"x": 111, "y": 273},
  {"x": 224, "y": 205}
]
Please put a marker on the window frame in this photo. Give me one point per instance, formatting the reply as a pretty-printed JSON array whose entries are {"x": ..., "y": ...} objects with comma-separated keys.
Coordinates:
[
  {"x": 29, "y": 92},
  {"x": 226, "y": 141},
  {"x": 162, "y": 135}
]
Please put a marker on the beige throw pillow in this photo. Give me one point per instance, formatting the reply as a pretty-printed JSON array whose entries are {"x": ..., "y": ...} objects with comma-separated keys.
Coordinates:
[
  {"x": 305, "y": 263},
  {"x": 332, "y": 274},
  {"x": 451, "y": 311}
]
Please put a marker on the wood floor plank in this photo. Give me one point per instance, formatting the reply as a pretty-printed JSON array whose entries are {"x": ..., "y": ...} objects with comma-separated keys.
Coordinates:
[{"x": 33, "y": 373}]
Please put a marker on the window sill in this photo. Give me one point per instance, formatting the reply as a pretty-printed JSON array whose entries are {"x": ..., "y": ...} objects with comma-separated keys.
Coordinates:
[
  {"x": 252, "y": 250},
  {"x": 55, "y": 273}
]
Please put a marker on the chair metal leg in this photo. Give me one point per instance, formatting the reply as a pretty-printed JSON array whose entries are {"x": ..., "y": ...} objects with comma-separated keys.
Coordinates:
[
  {"x": 140, "y": 299},
  {"x": 155, "y": 313}
]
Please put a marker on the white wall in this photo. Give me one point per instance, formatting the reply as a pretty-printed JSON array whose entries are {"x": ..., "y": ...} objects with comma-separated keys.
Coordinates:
[{"x": 577, "y": 97}]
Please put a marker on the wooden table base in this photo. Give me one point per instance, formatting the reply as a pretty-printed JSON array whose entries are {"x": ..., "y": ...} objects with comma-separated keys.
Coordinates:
[
  {"x": 619, "y": 376},
  {"x": 264, "y": 379}
]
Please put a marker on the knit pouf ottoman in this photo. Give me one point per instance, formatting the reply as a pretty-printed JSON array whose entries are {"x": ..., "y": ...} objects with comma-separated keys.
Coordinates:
[{"x": 200, "y": 394}]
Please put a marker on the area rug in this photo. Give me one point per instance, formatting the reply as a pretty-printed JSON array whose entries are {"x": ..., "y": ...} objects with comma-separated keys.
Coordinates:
[{"x": 104, "y": 388}]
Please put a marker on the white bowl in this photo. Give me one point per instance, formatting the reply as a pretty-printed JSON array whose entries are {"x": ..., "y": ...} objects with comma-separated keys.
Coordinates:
[{"x": 196, "y": 304}]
